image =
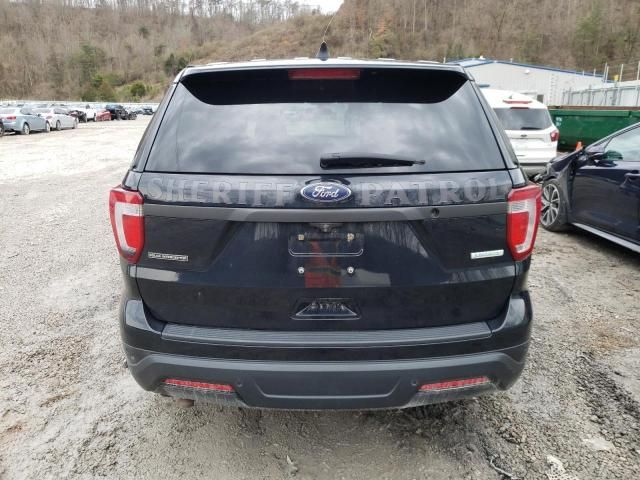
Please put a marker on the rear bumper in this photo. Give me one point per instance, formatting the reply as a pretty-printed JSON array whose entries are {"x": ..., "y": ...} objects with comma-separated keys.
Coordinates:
[
  {"x": 532, "y": 170},
  {"x": 11, "y": 126},
  {"x": 326, "y": 385},
  {"x": 326, "y": 370},
  {"x": 533, "y": 166}
]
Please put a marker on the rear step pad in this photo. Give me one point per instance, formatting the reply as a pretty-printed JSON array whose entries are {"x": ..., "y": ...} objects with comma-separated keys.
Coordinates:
[{"x": 382, "y": 338}]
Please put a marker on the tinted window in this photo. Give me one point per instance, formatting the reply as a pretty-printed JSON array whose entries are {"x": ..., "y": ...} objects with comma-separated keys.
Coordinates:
[
  {"x": 524, "y": 118},
  {"x": 264, "y": 123},
  {"x": 624, "y": 147}
]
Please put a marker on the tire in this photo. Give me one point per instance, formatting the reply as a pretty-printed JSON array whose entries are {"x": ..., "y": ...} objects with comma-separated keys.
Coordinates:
[
  {"x": 26, "y": 129},
  {"x": 1, "y": 130},
  {"x": 554, "y": 207},
  {"x": 47, "y": 127},
  {"x": 75, "y": 124},
  {"x": 58, "y": 126}
]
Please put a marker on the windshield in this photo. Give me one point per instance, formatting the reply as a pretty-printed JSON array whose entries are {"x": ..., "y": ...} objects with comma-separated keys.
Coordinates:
[
  {"x": 524, "y": 118},
  {"x": 43, "y": 110},
  {"x": 212, "y": 128}
]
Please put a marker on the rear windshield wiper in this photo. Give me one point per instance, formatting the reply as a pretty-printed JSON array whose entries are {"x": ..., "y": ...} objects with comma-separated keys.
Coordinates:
[{"x": 365, "y": 160}]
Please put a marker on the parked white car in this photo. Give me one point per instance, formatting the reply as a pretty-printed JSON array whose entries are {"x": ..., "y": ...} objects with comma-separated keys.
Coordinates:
[
  {"x": 57, "y": 117},
  {"x": 89, "y": 111},
  {"x": 528, "y": 125}
]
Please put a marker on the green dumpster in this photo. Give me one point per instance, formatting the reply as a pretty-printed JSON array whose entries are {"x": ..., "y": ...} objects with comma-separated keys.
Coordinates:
[{"x": 589, "y": 125}]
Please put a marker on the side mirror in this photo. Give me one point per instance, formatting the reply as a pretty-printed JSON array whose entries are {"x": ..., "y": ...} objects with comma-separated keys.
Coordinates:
[
  {"x": 595, "y": 153},
  {"x": 598, "y": 156}
]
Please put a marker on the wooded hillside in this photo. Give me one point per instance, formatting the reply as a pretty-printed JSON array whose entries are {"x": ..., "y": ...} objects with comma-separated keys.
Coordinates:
[{"x": 129, "y": 49}]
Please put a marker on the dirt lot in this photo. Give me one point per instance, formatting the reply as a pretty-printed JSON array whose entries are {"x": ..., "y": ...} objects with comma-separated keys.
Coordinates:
[{"x": 69, "y": 408}]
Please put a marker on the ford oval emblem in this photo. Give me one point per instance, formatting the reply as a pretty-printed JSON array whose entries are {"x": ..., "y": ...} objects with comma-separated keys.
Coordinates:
[{"x": 325, "y": 192}]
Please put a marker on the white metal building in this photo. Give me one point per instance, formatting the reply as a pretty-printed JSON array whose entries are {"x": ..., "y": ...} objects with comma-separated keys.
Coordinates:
[
  {"x": 545, "y": 84},
  {"x": 612, "y": 94}
]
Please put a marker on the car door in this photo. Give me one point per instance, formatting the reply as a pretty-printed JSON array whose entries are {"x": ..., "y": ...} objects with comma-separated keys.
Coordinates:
[
  {"x": 39, "y": 122},
  {"x": 32, "y": 118},
  {"x": 62, "y": 117},
  {"x": 606, "y": 191},
  {"x": 70, "y": 119}
]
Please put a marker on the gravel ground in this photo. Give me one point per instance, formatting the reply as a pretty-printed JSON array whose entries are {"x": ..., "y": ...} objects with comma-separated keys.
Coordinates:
[{"x": 69, "y": 409}]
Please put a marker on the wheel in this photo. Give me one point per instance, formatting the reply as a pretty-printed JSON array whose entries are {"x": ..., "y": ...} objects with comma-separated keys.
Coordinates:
[
  {"x": 58, "y": 126},
  {"x": 1, "y": 130},
  {"x": 26, "y": 129},
  {"x": 554, "y": 208},
  {"x": 75, "y": 124},
  {"x": 47, "y": 127}
]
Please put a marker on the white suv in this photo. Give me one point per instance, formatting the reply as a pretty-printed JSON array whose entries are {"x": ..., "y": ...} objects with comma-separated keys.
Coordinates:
[{"x": 528, "y": 125}]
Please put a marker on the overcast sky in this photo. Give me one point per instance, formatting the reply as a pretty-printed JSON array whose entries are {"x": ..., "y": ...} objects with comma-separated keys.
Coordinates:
[{"x": 328, "y": 6}]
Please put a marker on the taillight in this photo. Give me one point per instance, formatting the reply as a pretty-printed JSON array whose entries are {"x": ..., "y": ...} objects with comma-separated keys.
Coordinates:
[
  {"x": 127, "y": 221},
  {"x": 324, "y": 74},
  {"x": 555, "y": 135},
  {"x": 523, "y": 215},
  {"x": 11, "y": 117},
  {"x": 49, "y": 117}
]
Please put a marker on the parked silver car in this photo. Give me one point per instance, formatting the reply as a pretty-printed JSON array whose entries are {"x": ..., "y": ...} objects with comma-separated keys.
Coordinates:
[
  {"x": 57, "y": 117},
  {"x": 23, "y": 120}
]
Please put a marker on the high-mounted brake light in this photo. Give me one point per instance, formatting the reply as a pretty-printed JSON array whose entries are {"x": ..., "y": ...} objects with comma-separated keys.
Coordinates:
[
  {"x": 555, "y": 136},
  {"x": 324, "y": 74},
  {"x": 523, "y": 215},
  {"x": 517, "y": 102},
  {"x": 451, "y": 384},
  {"x": 127, "y": 221},
  {"x": 217, "y": 387}
]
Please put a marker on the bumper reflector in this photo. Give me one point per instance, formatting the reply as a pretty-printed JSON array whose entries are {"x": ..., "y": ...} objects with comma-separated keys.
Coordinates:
[
  {"x": 217, "y": 387},
  {"x": 452, "y": 384}
]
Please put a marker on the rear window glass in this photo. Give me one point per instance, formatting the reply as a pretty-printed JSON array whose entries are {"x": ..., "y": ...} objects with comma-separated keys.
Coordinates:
[
  {"x": 261, "y": 122},
  {"x": 8, "y": 110},
  {"x": 524, "y": 118}
]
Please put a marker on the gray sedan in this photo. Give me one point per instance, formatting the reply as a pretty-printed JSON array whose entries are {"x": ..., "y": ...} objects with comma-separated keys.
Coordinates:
[
  {"x": 57, "y": 117},
  {"x": 23, "y": 120}
]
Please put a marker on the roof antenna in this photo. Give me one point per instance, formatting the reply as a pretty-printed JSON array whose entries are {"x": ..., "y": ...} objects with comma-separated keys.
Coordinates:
[{"x": 323, "y": 53}]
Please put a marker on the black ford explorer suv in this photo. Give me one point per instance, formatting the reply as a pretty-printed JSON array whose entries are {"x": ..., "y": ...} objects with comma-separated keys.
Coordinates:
[{"x": 335, "y": 234}]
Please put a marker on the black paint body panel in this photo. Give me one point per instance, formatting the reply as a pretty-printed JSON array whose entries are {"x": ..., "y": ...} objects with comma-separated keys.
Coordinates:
[{"x": 346, "y": 304}]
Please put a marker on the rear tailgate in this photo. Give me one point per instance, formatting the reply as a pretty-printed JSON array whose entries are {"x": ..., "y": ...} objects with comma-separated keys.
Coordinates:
[
  {"x": 532, "y": 144},
  {"x": 230, "y": 241},
  {"x": 530, "y": 131}
]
